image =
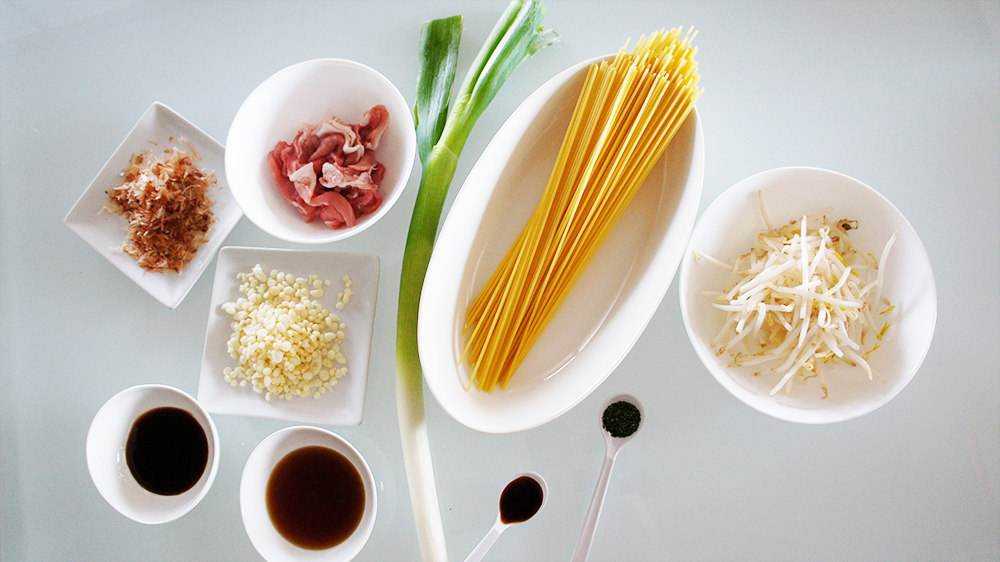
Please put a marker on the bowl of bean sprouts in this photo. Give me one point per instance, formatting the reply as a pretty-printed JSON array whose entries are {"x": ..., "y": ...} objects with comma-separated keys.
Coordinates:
[{"x": 808, "y": 295}]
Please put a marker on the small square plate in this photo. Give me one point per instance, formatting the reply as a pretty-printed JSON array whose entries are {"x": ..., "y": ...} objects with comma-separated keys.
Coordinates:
[
  {"x": 345, "y": 404},
  {"x": 106, "y": 232}
]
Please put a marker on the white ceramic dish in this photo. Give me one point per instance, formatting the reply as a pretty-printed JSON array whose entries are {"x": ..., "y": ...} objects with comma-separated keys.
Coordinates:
[
  {"x": 609, "y": 306},
  {"x": 345, "y": 404},
  {"x": 253, "y": 486},
  {"x": 106, "y": 441},
  {"x": 278, "y": 108},
  {"x": 106, "y": 232},
  {"x": 726, "y": 230}
]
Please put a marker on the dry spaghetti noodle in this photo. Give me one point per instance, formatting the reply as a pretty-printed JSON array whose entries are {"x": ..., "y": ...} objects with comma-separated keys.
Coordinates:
[{"x": 629, "y": 109}]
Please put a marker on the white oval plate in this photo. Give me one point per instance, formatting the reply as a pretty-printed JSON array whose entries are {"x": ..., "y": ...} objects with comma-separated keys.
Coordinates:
[
  {"x": 726, "y": 230},
  {"x": 608, "y": 308}
]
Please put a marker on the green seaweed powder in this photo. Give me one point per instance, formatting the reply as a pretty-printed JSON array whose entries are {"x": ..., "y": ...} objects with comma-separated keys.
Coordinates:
[{"x": 621, "y": 419}]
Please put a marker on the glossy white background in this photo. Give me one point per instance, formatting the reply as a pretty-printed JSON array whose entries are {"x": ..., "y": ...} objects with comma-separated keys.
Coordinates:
[{"x": 902, "y": 96}]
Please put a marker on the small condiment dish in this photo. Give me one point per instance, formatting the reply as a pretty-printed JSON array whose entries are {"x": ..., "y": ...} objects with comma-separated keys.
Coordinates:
[
  {"x": 106, "y": 458},
  {"x": 727, "y": 229},
  {"x": 158, "y": 129},
  {"x": 279, "y": 107},
  {"x": 269, "y": 543}
]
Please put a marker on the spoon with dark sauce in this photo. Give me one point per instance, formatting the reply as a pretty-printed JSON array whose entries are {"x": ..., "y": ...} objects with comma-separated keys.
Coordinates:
[{"x": 520, "y": 500}]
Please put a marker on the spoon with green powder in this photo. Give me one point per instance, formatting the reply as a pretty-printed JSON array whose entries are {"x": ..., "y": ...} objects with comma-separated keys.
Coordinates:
[{"x": 621, "y": 418}]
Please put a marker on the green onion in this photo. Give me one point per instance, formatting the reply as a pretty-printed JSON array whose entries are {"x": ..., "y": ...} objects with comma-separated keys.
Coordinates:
[{"x": 441, "y": 135}]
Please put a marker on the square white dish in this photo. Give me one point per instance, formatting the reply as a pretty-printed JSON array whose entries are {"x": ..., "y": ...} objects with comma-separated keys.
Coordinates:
[
  {"x": 159, "y": 128},
  {"x": 344, "y": 405}
]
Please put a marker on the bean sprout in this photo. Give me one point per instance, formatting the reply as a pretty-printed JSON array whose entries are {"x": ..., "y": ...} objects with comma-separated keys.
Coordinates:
[{"x": 802, "y": 297}]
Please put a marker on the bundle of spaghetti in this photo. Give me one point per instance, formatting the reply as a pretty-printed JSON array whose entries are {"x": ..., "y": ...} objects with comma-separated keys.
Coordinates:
[{"x": 629, "y": 109}]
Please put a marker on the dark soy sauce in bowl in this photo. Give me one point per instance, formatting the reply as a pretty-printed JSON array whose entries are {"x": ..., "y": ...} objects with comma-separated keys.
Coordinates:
[
  {"x": 520, "y": 500},
  {"x": 315, "y": 497},
  {"x": 167, "y": 451}
]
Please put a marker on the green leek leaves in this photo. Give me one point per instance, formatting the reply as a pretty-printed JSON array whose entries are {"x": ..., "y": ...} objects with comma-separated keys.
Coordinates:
[{"x": 439, "y": 41}]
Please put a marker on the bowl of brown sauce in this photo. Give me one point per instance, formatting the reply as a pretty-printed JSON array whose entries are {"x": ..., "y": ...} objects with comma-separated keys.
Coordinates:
[
  {"x": 153, "y": 453},
  {"x": 307, "y": 493}
]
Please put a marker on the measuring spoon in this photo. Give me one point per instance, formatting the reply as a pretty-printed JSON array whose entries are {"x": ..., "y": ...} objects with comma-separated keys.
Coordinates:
[
  {"x": 612, "y": 446},
  {"x": 521, "y": 499}
]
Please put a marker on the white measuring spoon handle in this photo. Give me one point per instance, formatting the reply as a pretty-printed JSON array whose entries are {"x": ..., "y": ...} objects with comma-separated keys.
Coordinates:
[
  {"x": 594, "y": 512},
  {"x": 491, "y": 537}
]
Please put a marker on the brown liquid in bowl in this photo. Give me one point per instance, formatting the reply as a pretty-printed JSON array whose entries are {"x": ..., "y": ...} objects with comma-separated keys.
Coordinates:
[{"x": 315, "y": 497}]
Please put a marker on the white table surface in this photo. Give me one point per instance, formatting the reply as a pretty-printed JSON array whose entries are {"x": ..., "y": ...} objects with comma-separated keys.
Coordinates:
[{"x": 903, "y": 96}]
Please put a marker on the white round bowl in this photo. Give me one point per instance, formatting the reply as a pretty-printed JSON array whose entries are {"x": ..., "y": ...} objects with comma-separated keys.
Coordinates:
[
  {"x": 253, "y": 503},
  {"x": 109, "y": 470},
  {"x": 726, "y": 230},
  {"x": 278, "y": 108}
]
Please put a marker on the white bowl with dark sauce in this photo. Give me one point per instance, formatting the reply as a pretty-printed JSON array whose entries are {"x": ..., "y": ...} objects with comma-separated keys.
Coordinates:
[{"x": 153, "y": 453}]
